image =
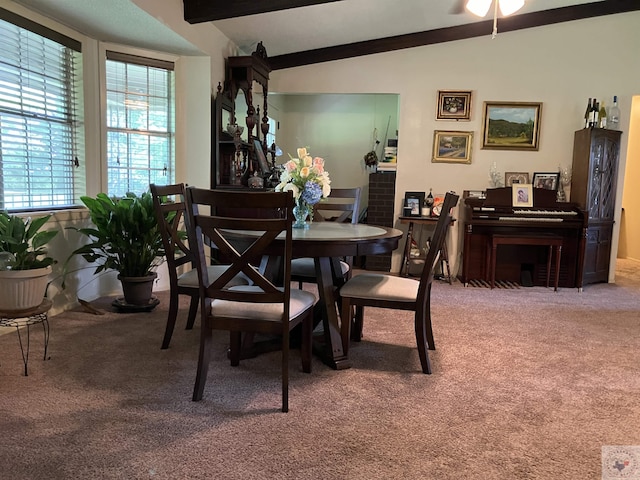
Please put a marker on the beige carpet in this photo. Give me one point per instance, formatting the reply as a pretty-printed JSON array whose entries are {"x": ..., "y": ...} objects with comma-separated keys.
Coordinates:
[{"x": 527, "y": 384}]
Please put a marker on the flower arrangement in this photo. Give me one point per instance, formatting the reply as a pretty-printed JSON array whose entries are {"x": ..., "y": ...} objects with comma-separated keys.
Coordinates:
[{"x": 306, "y": 178}]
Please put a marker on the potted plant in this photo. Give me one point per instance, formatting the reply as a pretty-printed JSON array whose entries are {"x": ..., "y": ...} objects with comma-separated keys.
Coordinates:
[
  {"x": 126, "y": 238},
  {"x": 24, "y": 264}
]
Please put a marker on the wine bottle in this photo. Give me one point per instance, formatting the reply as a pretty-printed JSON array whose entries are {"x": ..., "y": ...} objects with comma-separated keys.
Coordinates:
[
  {"x": 595, "y": 111},
  {"x": 603, "y": 116},
  {"x": 614, "y": 115},
  {"x": 586, "y": 114}
]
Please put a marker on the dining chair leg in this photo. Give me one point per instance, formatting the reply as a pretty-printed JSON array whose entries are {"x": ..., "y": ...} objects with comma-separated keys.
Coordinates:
[
  {"x": 171, "y": 320},
  {"x": 346, "y": 321},
  {"x": 421, "y": 341},
  {"x": 307, "y": 338},
  {"x": 206, "y": 341},
  {"x": 285, "y": 372},
  {"x": 193, "y": 310},
  {"x": 357, "y": 325},
  {"x": 431, "y": 343},
  {"x": 235, "y": 346}
]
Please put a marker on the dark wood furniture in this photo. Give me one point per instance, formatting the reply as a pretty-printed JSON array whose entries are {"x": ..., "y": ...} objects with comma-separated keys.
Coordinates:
[
  {"x": 494, "y": 215},
  {"x": 262, "y": 307},
  {"x": 326, "y": 243},
  {"x": 554, "y": 242},
  {"x": 400, "y": 293},
  {"x": 406, "y": 256},
  {"x": 234, "y": 155},
  {"x": 594, "y": 175},
  {"x": 382, "y": 193}
]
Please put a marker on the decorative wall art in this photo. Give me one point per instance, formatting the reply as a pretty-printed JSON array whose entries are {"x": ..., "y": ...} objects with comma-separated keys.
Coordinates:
[
  {"x": 454, "y": 105},
  {"x": 452, "y": 147},
  {"x": 511, "y": 125}
]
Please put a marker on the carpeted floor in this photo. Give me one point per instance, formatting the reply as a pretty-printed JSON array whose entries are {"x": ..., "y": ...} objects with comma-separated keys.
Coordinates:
[{"x": 527, "y": 384}]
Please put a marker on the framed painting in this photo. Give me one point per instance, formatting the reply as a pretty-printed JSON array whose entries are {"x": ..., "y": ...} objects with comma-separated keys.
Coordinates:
[
  {"x": 454, "y": 105},
  {"x": 548, "y": 181},
  {"x": 452, "y": 147},
  {"x": 413, "y": 202},
  {"x": 515, "y": 177},
  {"x": 511, "y": 126},
  {"x": 522, "y": 194}
]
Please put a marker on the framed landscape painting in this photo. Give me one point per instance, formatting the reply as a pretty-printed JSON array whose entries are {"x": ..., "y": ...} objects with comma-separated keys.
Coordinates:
[
  {"x": 511, "y": 126},
  {"x": 452, "y": 147}
]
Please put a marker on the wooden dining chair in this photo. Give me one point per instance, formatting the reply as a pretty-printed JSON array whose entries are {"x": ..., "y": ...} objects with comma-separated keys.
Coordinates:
[
  {"x": 262, "y": 307},
  {"x": 342, "y": 205},
  {"x": 170, "y": 210},
  {"x": 400, "y": 293}
]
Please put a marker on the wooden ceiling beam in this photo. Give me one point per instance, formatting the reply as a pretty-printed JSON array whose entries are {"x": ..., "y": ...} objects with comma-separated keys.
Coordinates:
[
  {"x": 199, "y": 11},
  {"x": 460, "y": 32}
]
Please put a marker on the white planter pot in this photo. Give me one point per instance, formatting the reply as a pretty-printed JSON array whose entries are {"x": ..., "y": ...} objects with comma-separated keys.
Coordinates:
[{"x": 23, "y": 289}]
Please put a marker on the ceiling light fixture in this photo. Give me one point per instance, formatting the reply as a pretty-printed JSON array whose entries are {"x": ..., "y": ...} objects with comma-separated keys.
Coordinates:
[{"x": 481, "y": 7}]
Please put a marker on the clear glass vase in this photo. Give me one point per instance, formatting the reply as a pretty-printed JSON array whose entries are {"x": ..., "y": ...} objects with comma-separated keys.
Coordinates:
[{"x": 300, "y": 212}]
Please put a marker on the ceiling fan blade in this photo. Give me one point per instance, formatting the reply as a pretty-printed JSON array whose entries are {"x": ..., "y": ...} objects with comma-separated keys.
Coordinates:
[{"x": 458, "y": 7}]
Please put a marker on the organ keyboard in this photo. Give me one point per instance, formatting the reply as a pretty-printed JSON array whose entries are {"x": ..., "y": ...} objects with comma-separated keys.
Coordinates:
[{"x": 494, "y": 214}]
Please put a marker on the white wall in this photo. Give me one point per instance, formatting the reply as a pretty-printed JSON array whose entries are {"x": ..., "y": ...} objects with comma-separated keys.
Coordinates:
[{"x": 559, "y": 65}]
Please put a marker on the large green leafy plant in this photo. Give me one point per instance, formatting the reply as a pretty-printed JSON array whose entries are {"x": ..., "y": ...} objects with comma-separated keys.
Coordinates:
[
  {"x": 125, "y": 236},
  {"x": 23, "y": 242}
]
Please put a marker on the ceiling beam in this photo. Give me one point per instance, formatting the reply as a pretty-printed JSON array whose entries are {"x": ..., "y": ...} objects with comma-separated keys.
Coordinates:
[
  {"x": 460, "y": 32},
  {"x": 198, "y": 11}
]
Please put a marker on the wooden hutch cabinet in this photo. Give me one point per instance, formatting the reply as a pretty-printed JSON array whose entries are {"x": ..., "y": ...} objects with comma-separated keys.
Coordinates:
[
  {"x": 237, "y": 154},
  {"x": 594, "y": 176}
]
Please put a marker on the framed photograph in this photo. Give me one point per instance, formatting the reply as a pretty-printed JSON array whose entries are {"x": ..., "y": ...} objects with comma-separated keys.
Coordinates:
[
  {"x": 452, "y": 147},
  {"x": 522, "y": 194},
  {"x": 511, "y": 126},
  {"x": 548, "y": 181},
  {"x": 413, "y": 202},
  {"x": 454, "y": 105},
  {"x": 515, "y": 177},
  {"x": 260, "y": 156}
]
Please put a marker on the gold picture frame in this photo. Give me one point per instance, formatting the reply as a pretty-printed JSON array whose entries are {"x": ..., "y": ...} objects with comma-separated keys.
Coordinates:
[
  {"x": 511, "y": 125},
  {"x": 454, "y": 105},
  {"x": 522, "y": 194},
  {"x": 452, "y": 146}
]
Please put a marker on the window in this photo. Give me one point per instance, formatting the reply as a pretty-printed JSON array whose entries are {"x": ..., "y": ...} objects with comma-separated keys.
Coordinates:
[
  {"x": 39, "y": 132},
  {"x": 140, "y": 123}
]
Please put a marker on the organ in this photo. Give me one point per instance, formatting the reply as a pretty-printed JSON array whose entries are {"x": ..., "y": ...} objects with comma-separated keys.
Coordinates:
[{"x": 494, "y": 215}]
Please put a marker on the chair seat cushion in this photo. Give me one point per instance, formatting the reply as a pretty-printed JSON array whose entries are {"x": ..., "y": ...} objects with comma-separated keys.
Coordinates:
[
  {"x": 190, "y": 278},
  {"x": 305, "y": 267},
  {"x": 382, "y": 287},
  {"x": 300, "y": 302}
]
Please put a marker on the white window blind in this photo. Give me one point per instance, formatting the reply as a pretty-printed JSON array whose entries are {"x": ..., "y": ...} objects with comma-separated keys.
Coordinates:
[
  {"x": 140, "y": 123},
  {"x": 38, "y": 105}
]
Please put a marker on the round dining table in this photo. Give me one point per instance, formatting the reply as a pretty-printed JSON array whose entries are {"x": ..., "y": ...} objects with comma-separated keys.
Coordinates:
[{"x": 327, "y": 242}]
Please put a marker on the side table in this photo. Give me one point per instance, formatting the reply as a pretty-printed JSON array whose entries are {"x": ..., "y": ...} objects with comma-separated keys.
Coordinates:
[
  {"x": 26, "y": 318},
  {"x": 406, "y": 256}
]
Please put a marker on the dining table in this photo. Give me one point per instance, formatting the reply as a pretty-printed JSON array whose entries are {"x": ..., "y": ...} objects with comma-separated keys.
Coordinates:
[{"x": 327, "y": 242}]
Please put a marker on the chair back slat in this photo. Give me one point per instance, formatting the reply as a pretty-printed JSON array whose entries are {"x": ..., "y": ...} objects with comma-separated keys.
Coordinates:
[
  {"x": 437, "y": 241},
  {"x": 339, "y": 210}
]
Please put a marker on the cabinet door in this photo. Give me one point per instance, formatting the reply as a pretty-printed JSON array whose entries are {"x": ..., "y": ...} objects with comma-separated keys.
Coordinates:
[
  {"x": 597, "y": 254},
  {"x": 604, "y": 171}
]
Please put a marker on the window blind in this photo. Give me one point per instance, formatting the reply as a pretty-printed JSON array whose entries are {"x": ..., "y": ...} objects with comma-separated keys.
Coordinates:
[{"x": 38, "y": 105}]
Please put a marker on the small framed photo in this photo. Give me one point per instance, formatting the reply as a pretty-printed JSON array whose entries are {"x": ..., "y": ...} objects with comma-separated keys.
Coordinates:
[
  {"x": 548, "y": 181},
  {"x": 413, "y": 202},
  {"x": 522, "y": 194},
  {"x": 515, "y": 177},
  {"x": 511, "y": 125},
  {"x": 452, "y": 147},
  {"x": 454, "y": 105}
]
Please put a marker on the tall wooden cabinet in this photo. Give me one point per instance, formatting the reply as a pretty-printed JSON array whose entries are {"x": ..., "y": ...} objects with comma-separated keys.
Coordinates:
[{"x": 596, "y": 152}]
